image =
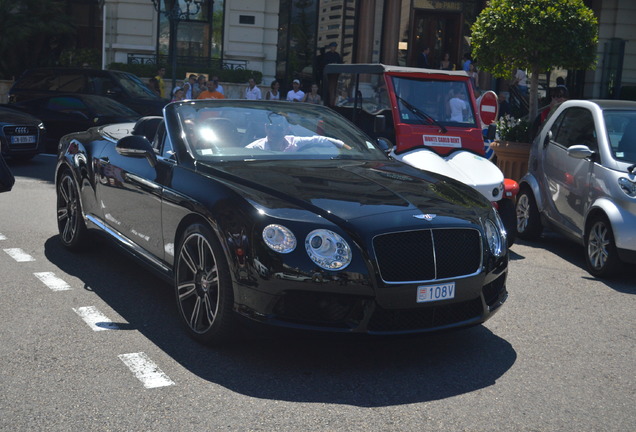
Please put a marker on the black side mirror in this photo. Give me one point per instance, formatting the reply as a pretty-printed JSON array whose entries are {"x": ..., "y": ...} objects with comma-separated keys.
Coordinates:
[
  {"x": 379, "y": 123},
  {"x": 137, "y": 146},
  {"x": 547, "y": 139},
  {"x": 385, "y": 144}
]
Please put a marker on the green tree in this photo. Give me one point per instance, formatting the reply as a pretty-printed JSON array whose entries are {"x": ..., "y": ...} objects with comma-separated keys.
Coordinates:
[
  {"x": 535, "y": 35},
  {"x": 32, "y": 33}
]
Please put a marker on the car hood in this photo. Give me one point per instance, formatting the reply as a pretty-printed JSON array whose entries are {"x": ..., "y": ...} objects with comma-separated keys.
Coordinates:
[
  {"x": 349, "y": 190},
  {"x": 8, "y": 115}
]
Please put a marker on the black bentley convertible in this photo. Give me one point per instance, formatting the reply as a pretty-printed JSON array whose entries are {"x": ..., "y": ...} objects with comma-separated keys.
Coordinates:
[{"x": 284, "y": 213}]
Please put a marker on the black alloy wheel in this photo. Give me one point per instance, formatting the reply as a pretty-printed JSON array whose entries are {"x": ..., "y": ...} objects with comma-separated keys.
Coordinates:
[
  {"x": 203, "y": 286},
  {"x": 600, "y": 248},
  {"x": 528, "y": 219},
  {"x": 70, "y": 222}
]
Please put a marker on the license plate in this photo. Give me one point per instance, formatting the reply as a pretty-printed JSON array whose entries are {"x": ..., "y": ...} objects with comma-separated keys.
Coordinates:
[
  {"x": 432, "y": 293},
  {"x": 23, "y": 139}
]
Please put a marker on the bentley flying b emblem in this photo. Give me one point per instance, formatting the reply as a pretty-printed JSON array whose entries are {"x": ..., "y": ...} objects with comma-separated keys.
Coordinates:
[{"x": 428, "y": 217}]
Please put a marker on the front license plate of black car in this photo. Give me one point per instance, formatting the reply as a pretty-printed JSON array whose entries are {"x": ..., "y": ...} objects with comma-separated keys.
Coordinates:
[
  {"x": 431, "y": 293},
  {"x": 23, "y": 139}
]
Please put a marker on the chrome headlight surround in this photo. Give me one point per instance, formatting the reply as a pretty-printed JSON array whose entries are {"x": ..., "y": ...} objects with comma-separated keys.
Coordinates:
[
  {"x": 279, "y": 238},
  {"x": 495, "y": 235},
  {"x": 328, "y": 249},
  {"x": 627, "y": 186}
]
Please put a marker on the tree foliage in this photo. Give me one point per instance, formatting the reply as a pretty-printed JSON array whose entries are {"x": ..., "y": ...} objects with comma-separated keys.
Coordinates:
[
  {"x": 32, "y": 33},
  {"x": 535, "y": 35}
]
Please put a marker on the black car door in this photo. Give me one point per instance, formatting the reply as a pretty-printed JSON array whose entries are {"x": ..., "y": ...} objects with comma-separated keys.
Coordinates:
[{"x": 130, "y": 193}]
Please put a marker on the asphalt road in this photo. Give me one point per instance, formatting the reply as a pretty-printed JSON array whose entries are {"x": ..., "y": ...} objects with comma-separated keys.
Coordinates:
[{"x": 93, "y": 342}]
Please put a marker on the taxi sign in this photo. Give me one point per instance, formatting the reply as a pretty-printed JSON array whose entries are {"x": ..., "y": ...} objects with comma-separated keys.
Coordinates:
[{"x": 488, "y": 108}]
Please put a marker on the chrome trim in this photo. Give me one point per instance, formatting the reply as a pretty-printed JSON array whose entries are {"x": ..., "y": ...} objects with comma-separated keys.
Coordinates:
[
  {"x": 135, "y": 248},
  {"x": 481, "y": 258}
]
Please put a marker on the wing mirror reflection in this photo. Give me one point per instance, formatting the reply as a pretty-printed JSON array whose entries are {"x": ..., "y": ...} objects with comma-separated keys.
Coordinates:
[{"x": 137, "y": 146}]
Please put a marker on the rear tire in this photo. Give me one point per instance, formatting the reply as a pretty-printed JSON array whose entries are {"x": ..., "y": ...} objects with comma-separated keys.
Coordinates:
[
  {"x": 203, "y": 286},
  {"x": 508, "y": 217},
  {"x": 528, "y": 219},
  {"x": 601, "y": 254},
  {"x": 70, "y": 221}
]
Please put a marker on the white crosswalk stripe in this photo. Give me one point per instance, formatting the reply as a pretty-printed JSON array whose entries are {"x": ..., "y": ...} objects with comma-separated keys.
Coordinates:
[
  {"x": 53, "y": 282},
  {"x": 146, "y": 370},
  {"x": 95, "y": 319},
  {"x": 19, "y": 255}
]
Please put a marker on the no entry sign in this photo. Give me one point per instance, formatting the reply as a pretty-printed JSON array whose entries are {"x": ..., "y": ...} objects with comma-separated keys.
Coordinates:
[{"x": 488, "y": 108}]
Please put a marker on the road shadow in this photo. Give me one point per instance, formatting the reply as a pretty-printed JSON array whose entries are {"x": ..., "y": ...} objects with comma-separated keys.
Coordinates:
[
  {"x": 574, "y": 254},
  {"x": 41, "y": 167},
  {"x": 282, "y": 365}
]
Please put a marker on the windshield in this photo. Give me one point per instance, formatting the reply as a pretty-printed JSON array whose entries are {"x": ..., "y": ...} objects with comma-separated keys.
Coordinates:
[
  {"x": 238, "y": 130},
  {"x": 621, "y": 131},
  {"x": 445, "y": 102},
  {"x": 134, "y": 86}
]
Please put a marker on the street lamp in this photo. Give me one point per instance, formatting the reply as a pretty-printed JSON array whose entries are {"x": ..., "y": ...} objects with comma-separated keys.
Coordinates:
[{"x": 175, "y": 14}]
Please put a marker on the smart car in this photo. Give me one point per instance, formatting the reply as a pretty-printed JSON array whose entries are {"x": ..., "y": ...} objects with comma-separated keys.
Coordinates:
[{"x": 582, "y": 181}]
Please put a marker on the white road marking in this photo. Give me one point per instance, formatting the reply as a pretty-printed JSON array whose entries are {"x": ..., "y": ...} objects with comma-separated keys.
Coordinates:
[
  {"x": 95, "y": 319},
  {"x": 2, "y": 237},
  {"x": 19, "y": 255},
  {"x": 53, "y": 282},
  {"x": 146, "y": 370}
]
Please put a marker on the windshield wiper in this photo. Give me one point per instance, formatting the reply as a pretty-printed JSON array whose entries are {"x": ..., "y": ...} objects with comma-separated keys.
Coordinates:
[{"x": 421, "y": 114}]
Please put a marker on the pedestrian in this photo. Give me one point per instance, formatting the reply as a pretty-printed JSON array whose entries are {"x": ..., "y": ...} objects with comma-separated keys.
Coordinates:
[
  {"x": 504, "y": 105},
  {"x": 252, "y": 92},
  {"x": 458, "y": 106},
  {"x": 211, "y": 91},
  {"x": 199, "y": 86},
  {"x": 466, "y": 62},
  {"x": 422, "y": 58},
  {"x": 296, "y": 94},
  {"x": 331, "y": 56},
  {"x": 161, "y": 72},
  {"x": 153, "y": 85},
  {"x": 188, "y": 86},
  {"x": 219, "y": 87},
  {"x": 521, "y": 81},
  {"x": 313, "y": 97},
  {"x": 274, "y": 91},
  {"x": 178, "y": 94},
  {"x": 446, "y": 64}
]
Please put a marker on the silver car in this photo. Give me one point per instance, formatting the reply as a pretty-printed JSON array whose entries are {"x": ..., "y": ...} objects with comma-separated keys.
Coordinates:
[{"x": 582, "y": 181}]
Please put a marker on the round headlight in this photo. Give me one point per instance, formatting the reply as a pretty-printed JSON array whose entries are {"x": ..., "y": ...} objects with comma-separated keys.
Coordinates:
[
  {"x": 279, "y": 238},
  {"x": 327, "y": 249},
  {"x": 494, "y": 238}
]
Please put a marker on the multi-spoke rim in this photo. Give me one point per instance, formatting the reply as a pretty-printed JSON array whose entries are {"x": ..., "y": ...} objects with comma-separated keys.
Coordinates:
[
  {"x": 597, "y": 245},
  {"x": 198, "y": 283},
  {"x": 523, "y": 213},
  {"x": 67, "y": 209}
]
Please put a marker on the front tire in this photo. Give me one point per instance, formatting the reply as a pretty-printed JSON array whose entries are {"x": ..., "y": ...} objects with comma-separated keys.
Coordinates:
[
  {"x": 70, "y": 222},
  {"x": 203, "y": 286},
  {"x": 528, "y": 219},
  {"x": 600, "y": 248}
]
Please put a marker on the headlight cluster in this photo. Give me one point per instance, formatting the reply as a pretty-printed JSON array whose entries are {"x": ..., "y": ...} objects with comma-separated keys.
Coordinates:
[
  {"x": 495, "y": 235},
  {"x": 627, "y": 186},
  {"x": 325, "y": 248}
]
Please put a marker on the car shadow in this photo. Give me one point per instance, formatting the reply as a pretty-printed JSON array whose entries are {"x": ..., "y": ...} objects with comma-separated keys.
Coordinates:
[
  {"x": 574, "y": 253},
  {"x": 41, "y": 167},
  {"x": 268, "y": 363}
]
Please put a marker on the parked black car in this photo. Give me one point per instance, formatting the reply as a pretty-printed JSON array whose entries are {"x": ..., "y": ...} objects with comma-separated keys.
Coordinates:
[
  {"x": 284, "y": 213},
  {"x": 21, "y": 135},
  {"x": 123, "y": 87},
  {"x": 66, "y": 113}
]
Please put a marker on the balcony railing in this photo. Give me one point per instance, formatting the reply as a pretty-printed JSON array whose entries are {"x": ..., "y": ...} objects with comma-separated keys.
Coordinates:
[{"x": 194, "y": 62}]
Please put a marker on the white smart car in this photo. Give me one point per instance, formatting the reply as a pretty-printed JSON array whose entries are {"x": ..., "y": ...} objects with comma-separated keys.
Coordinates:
[{"x": 582, "y": 181}]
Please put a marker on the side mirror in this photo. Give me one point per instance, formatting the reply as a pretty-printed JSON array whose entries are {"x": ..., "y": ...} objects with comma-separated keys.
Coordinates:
[
  {"x": 379, "y": 123},
  {"x": 385, "y": 144},
  {"x": 580, "y": 152},
  {"x": 547, "y": 139},
  {"x": 137, "y": 146},
  {"x": 492, "y": 131},
  {"x": 115, "y": 91}
]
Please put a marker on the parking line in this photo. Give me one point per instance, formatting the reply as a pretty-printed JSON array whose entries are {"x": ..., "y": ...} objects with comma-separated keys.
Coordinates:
[
  {"x": 53, "y": 282},
  {"x": 2, "y": 237},
  {"x": 95, "y": 319},
  {"x": 19, "y": 255},
  {"x": 145, "y": 370}
]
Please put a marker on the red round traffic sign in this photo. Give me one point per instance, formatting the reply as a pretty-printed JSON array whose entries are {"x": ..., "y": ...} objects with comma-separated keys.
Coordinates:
[{"x": 488, "y": 107}]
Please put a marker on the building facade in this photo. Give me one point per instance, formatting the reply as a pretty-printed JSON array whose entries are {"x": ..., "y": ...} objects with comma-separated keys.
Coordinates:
[{"x": 285, "y": 39}]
